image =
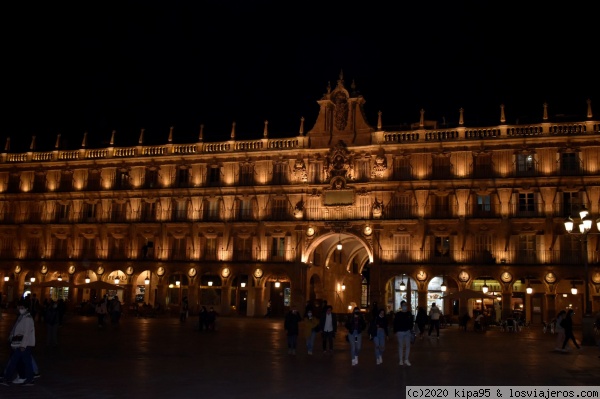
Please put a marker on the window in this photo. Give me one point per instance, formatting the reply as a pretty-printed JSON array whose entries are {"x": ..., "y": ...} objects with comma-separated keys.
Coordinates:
[
  {"x": 180, "y": 210},
  {"x": 178, "y": 249},
  {"x": 400, "y": 207},
  {"x": 442, "y": 246},
  {"x": 7, "y": 247},
  {"x": 117, "y": 248},
  {"x": 183, "y": 177},
  {"x": 314, "y": 172},
  {"x": 246, "y": 174},
  {"x": 151, "y": 178},
  {"x": 569, "y": 163},
  {"x": 39, "y": 182},
  {"x": 119, "y": 212},
  {"x": 88, "y": 250},
  {"x": 484, "y": 205},
  {"x": 483, "y": 166},
  {"x": 211, "y": 209},
  {"x": 483, "y": 248},
  {"x": 214, "y": 176},
  {"x": 402, "y": 169},
  {"x": 280, "y": 209},
  {"x": 34, "y": 250},
  {"x": 526, "y": 248},
  {"x": 525, "y": 165},
  {"x": 243, "y": 248},
  {"x": 89, "y": 212},
  {"x": 280, "y": 173},
  {"x": 401, "y": 248},
  {"x": 211, "y": 248},
  {"x": 362, "y": 170},
  {"x": 148, "y": 212},
  {"x": 441, "y": 168},
  {"x": 245, "y": 209},
  {"x": 122, "y": 180},
  {"x": 93, "y": 180},
  {"x": 61, "y": 248},
  {"x": 278, "y": 247},
  {"x": 14, "y": 183},
  {"x": 441, "y": 206},
  {"x": 571, "y": 204},
  {"x": 63, "y": 213},
  {"x": 526, "y": 204}
]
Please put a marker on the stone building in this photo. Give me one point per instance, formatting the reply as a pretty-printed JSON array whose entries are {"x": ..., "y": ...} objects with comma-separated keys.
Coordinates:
[{"x": 347, "y": 212}]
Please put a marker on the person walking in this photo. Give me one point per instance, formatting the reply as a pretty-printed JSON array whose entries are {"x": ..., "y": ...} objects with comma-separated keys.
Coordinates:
[
  {"x": 115, "y": 311},
  {"x": 421, "y": 321},
  {"x": 51, "y": 320},
  {"x": 291, "y": 325},
  {"x": 355, "y": 325},
  {"x": 311, "y": 328},
  {"x": 567, "y": 324},
  {"x": 22, "y": 339},
  {"x": 434, "y": 319},
  {"x": 328, "y": 327},
  {"x": 403, "y": 324},
  {"x": 559, "y": 329},
  {"x": 379, "y": 332}
]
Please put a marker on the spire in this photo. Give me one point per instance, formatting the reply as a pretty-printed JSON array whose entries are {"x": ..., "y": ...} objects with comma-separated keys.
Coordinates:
[
  {"x": 170, "y": 139},
  {"x": 200, "y": 138},
  {"x": 32, "y": 145},
  {"x": 589, "y": 110},
  {"x": 302, "y": 126},
  {"x": 57, "y": 141},
  {"x": 265, "y": 131},
  {"x": 7, "y": 145},
  {"x": 233, "y": 131},
  {"x": 461, "y": 117},
  {"x": 422, "y": 120},
  {"x": 112, "y": 138},
  {"x": 379, "y": 120},
  {"x": 502, "y": 116},
  {"x": 84, "y": 141},
  {"x": 341, "y": 75},
  {"x": 545, "y": 116},
  {"x": 141, "y": 139}
]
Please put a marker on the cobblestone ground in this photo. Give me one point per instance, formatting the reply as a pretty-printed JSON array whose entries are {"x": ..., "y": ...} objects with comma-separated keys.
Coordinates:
[{"x": 248, "y": 357}]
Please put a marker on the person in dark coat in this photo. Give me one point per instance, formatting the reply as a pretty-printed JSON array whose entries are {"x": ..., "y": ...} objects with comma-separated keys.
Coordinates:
[
  {"x": 379, "y": 332},
  {"x": 292, "y": 319},
  {"x": 421, "y": 321},
  {"x": 567, "y": 324},
  {"x": 202, "y": 315},
  {"x": 355, "y": 325},
  {"x": 328, "y": 327}
]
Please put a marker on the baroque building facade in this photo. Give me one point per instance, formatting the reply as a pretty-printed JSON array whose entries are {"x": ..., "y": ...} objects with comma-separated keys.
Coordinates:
[{"x": 347, "y": 213}]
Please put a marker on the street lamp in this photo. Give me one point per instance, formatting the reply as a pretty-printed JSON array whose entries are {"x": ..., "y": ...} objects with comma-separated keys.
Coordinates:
[{"x": 584, "y": 225}]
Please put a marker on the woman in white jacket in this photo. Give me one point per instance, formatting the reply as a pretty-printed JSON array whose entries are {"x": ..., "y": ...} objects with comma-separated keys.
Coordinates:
[{"x": 22, "y": 339}]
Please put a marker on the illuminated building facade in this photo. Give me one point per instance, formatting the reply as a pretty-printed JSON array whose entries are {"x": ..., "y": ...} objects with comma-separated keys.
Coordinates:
[{"x": 236, "y": 224}]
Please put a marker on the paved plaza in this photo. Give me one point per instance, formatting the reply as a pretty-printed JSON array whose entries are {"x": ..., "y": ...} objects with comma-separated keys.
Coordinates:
[{"x": 247, "y": 358}]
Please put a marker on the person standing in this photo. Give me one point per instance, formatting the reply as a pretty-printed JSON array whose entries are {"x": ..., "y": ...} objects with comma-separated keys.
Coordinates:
[
  {"x": 115, "y": 311},
  {"x": 101, "y": 311},
  {"x": 328, "y": 327},
  {"x": 311, "y": 328},
  {"x": 211, "y": 319},
  {"x": 403, "y": 324},
  {"x": 380, "y": 334},
  {"x": 434, "y": 319},
  {"x": 202, "y": 314},
  {"x": 51, "y": 319},
  {"x": 567, "y": 324},
  {"x": 291, "y": 325},
  {"x": 183, "y": 310},
  {"x": 421, "y": 321},
  {"x": 355, "y": 325},
  {"x": 22, "y": 338},
  {"x": 559, "y": 330}
]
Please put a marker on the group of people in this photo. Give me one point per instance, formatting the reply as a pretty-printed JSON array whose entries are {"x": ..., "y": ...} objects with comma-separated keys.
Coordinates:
[
  {"x": 207, "y": 319},
  {"x": 356, "y": 324},
  {"x": 108, "y": 307}
]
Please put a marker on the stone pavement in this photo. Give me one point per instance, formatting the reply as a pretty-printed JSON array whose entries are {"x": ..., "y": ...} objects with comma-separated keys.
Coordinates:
[{"x": 247, "y": 357}]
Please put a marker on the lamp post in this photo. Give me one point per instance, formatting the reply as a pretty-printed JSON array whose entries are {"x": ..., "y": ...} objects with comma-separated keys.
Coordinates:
[{"x": 584, "y": 225}]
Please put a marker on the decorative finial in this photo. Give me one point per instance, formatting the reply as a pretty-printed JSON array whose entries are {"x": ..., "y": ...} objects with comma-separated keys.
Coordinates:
[
  {"x": 7, "y": 145},
  {"x": 379, "y": 120},
  {"x": 112, "y": 138},
  {"x": 57, "y": 141},
  {"x": 84, "y": 141},
  {"x": 171, "y": 134},
  {"x": 545, "y": 115},
  {"x": 341, "y": 75},
  {"x": 422, "y": 119},
  {"x": 32, "y": 145},
  {"x": 265, "y": 131},
  {"x": 233, "y": 131},
  {"x": 589, "y": 108},
  {"x": 328, "y": 87},
  {"x": 502, "y": 116},
  {"x": 461, "y": 116},
  {"x": 141, "y": 139},
  {"x": 302, "y": 126},
  {"x": 200, "y": 138}
]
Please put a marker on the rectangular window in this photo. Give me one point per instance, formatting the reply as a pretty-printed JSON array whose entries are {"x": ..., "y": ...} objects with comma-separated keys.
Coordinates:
[
  {"x": 246, "y": 175},
  {"x": 63, "y": 213},
  {"x": 402, "y": 169},
  {"x": 526, "y": 204},
  {"x": 525, "y": 165},
  {"x": 122, "y": 180},
  {"x": 314, "y": 172},
  {"x": 151, "y": 178},
  {"x": 178, "y": 249},
  {"x": 571, "y": 204},
  {"x": 280, "y": 173},
  {"x": 526, "y": 248},
  {"x": 243, "y": 248},
  {"x": 363, "y": 172},
  {"x": 89, "y": 248},
  {"x": 39, "y": 183},
  {"x": 89, "y": 212},
  {"x": 441, "y": 168},
  {"x": 61, "y": 248},
  {"x": 214, "y": 175},
  {"x": 118, "y": 213},
  {"x": 211, "y": 248},
  {"x": 183, "y": 177},
  {"x": 442, "y": 247},
  {"x": 93, "y": 180},
  {"x": 280, "y": 209},
  {"x": 180, "y": 210},
  {"x": 278, "y": 247},
  {"x": 401, "y": 248},
  {"x": 148, "y": 212},
  {"x": 569, "y": 163},
  {"x": 245, "y": 209},
  {"x": 483, "y": 166},
  {"x": 400, "y": 207},
  {"x": 212, "y": 210},
  {"x": 484, "y": 205}
]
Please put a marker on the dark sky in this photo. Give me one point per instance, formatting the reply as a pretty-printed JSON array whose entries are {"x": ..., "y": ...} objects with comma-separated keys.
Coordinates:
[{"x": 72, "y": 68}]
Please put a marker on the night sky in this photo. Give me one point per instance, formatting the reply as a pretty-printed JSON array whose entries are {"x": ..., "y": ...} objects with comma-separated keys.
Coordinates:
[{"x": 125, "y": 66}]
